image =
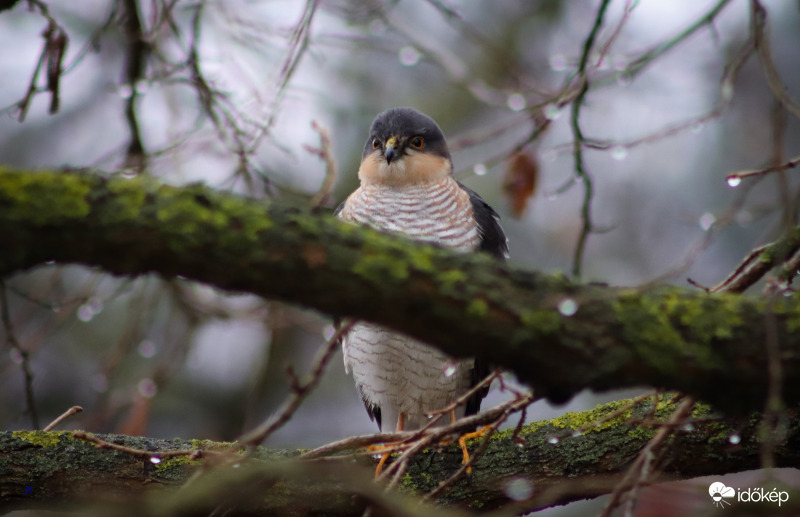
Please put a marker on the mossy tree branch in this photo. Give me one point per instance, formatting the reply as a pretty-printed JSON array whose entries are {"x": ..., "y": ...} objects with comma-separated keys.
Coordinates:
[
  {"x": 588, "y": 460},
  {"x": 466, "y": 305}
]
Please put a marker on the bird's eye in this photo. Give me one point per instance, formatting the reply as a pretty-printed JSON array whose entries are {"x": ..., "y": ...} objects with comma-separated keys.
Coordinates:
[
  {"x": 376, "y": 143},
  {"x": 417, "y": 142}
]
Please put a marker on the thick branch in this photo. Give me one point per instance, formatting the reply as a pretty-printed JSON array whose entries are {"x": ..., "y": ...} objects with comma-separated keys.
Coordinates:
[
  {"x": 465, "y": 305},
  {"x": 576, "y": 456}
]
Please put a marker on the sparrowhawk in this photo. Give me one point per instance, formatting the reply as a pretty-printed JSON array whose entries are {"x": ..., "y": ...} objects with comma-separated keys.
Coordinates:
[{"x": 407, "y": 186}]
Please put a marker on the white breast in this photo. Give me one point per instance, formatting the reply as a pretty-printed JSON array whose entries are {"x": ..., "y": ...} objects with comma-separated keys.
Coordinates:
[
  {"x": 391, "y": 370},
  {"x": 434, "y": 212}
]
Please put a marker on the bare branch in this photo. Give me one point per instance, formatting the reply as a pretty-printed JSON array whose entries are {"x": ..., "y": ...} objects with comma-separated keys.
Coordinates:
[
  {"x": 300, "y": 390},
  {"x": 24, "y": 357},
  {"x": 578, "y": 139},
  {"x": 66, "y": 414}
]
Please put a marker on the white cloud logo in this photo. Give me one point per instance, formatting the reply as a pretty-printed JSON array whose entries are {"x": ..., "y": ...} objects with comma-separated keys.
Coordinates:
[{"x": 719, "y": 492}]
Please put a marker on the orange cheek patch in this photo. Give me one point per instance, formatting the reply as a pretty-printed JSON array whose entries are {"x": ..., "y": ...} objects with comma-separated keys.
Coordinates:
[
  {"x": 368, "y": 172},
  {"x": 426, "y": 167},
  {"x": 412, "y": 169}
]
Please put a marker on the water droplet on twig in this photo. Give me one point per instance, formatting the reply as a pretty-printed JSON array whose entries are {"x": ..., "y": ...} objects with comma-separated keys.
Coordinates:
[{"x": 568, "y": 307}]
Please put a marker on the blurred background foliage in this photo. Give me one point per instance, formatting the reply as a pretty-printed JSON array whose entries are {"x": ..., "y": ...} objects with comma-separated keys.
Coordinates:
[{"x": 226, "y": 91}]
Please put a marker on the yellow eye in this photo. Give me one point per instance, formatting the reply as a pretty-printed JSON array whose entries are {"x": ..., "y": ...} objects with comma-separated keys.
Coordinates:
[
  {"x": 417, "y": 142},
  {"x": 376, "y": 143}
]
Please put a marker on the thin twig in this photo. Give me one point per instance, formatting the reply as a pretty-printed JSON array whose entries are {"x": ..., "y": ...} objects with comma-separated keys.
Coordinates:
[
  {"x": 758, "y": 263},
  {"x": 11, "y": 339},
  {"x": 66, "y": 414},
  {"x": 637, "y": 65},
  {"x": 135, "y": 63},
  {"x": 434, "y": 436},
  {"x": 324, "y": 152},
  {"x": 578, "y": 139},
  {"x": 299, "y": 390},
  {"x": 472, "y": 459},
  {"x": 791, "y": 164},
  {"x": 640, "y": 470},
  {"x": 153, "y": 455},
  {"x": 774, "y": 81},
  {"x": 51, "y": 58},
  {"x": 772, "y": 428}
]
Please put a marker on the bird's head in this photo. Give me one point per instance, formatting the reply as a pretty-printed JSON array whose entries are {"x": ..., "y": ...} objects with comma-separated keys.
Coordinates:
[{"x": 404, "y": 147}]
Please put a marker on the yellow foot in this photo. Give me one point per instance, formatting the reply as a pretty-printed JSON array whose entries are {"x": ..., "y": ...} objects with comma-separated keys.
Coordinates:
[
  {"x": 462, "y": 441},
  {"x": 384, "y": 457}
]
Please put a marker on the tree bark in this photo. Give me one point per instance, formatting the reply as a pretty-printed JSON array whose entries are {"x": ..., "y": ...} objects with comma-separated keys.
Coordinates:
[
  {"x": 466, "y": 305},
  {"x": 575, "y": 456}
]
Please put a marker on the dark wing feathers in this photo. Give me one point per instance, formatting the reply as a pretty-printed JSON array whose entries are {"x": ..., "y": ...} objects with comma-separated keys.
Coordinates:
[
  {"x": 494, "y": 242},
  {"x": 339, "y": 208},
  {"x": 373, "y": 410}
]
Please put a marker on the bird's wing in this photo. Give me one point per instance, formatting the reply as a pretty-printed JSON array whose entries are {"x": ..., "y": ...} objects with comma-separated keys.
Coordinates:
[
  {"x": 493, "y": 239},
  {"x": 494, "y": 242},
  {"x": 339, "y": 208}
]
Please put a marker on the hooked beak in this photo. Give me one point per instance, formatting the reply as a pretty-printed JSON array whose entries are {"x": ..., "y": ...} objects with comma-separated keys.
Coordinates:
[{"x": 389, "y": 151}]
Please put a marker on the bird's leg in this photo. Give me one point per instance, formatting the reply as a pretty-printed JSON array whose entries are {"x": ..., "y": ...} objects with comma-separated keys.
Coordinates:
[
  {"x": 401, "y": 418},
  {"x": 462, "y": 440}
]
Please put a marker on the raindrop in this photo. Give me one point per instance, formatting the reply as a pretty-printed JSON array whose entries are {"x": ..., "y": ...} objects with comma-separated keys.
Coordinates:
[
  {"x": 125, "y": 91},
  {"x": 576, "y": 434},
  {"x": 734, "y": 180},
  {"x": 129, "y": 174},
  {"x": 734, "y": 439},
  {"x": 689, "y": 427},
  {"x": 450, "y": 370},
  {"x": 85, "y": 313},
  {"x": 142, "y": 87},
  {"x": 624, "y": 78},
  {"x": 155, "y": 460},
  {"x": 696, "y": 127},
  {"x": 558, "y": 62},
  {"x": 55, "y": 308},
  {"x": 706, "y": 221},
  {"x": 620, "y": 64},
  {"x": 95, "y": 304},
  {"x": 479, "y": 169},
  {"x": 552, "y": 440},
  {"x": 568, "y": 307},
  {"x": 552, "y": 111},
  {"x": 50, "y": 262},
  {"x": 409, "y": 56},
  {"x": 236, "y": 465},
  {"x": 726, "y": 92},
  {"x": 518, "y": 489},
  {"x": 328, "y": 331},
  {"x": 619, "y": 152},
  {"x": 516, "y": 102},
  {"x": 147, "y": 348},
  {"x": 147, "y": 388}
]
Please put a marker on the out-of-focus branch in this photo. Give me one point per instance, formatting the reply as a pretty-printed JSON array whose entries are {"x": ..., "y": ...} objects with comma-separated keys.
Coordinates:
[
  {"x": 135, "y": 66},
  {"x": 576, "y": 456},
  {"x": 464, "y": 305},
  {"x": 300, "y": 390},
  {"x": 24, "y": 357},
  {"x": 779, "y": 90}
]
